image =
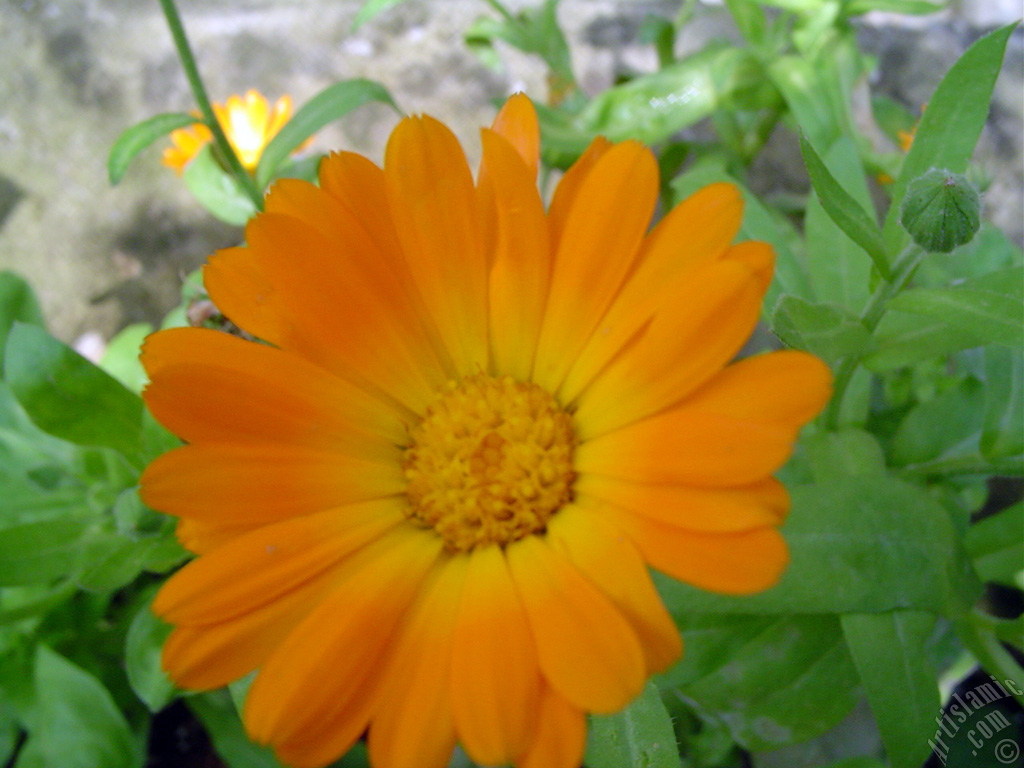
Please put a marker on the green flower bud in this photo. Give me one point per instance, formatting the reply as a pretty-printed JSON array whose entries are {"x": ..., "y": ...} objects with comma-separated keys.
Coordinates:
[{"x": 941, "y": 210}]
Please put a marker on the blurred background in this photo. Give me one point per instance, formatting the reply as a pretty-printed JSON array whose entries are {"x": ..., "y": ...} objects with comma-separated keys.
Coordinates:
[{"x": 75, "y": 73}]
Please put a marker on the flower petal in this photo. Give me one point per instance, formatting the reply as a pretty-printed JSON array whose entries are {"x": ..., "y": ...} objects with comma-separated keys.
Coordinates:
[
  {"x": 495, "y": 674},
  {"x": 240, "y": 289},
  {"x": 601, "y": 237},
  {"x": 213, "y": 655},
  {"x": 291, "y": 696},
  {"x": 521, "y": 270},
  {"x": 208, "y": 386},
  {"x": 561, "y": 734},
  {"x": 227, "y": 485},
  {"x": 738, "y": 428},
  {"x": 713, "y": 510},
  {"x": 260, "y": 566},
  {"x": 413, "y": 725},
  {"x": 433, "y": 204},
  {"x": 682, "y": 345},
  {"x": 588, "y": 652},
  {"x": 516, "y": 122},
  {"x": 346, "y": 310},
  {"x": 612, "y": 564},
  {"x": 571, "y": 183},
  {"x": 732, "y": 563}
]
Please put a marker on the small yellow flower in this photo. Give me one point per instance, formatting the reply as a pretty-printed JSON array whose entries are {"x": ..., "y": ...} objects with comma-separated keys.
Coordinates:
[
  {"x": 249, "y": 122},
  {"x": 426, "y": 508}
]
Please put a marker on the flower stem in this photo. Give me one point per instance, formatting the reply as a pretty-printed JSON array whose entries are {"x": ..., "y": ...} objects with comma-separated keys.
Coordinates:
[
  {"x": 872, "y": 315},
  {"x": 981, "y": 641},
  {"x": 188, "y": 63}
]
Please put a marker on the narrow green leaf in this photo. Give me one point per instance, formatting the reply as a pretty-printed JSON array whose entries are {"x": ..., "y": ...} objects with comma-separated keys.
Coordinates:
[
  {"x": 771, "y": 680},
  {"x": 880, "y": 544},
  {"x": 18, "y": 304},
  {"x": 41, "y": 550},
  {"x": 333, "y": 102},
  {"x": 143, "y": 644},
  {"x": 639, "y": 736},
  {"x": 750, "y": 20},
  {"x": 140, "y": 136},
  {"x": 67, "y": 396},
  {"x": 992, "y": 317},
  {"x": 995, "y": 545},
  {"x": 216, "y": 189},
  {"x": 951, "y": 124},
  {"x": 844, "y": 210},
  {"x": 919, "y": 7},
  {"x": 821, "y": 329},
  {"x": 371, "y": 8},
  {"x": 78, "y": 724},
  {"x": 899, "y": 679},
  {"x": 1003, "y": 430}
]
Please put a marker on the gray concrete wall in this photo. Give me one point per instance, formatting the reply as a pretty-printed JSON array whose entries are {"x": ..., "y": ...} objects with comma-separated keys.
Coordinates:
[{"x": 75, "y": 73}]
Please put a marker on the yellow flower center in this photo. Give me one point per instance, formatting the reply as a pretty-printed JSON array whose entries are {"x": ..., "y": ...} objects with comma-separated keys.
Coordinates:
[{"x": 490, "y": 462}]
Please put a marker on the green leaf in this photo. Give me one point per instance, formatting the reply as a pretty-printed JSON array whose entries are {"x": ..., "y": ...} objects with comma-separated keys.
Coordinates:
[
  {"x": 951, "y": 124},
  {"x": 995, "y": 545},
  {"x": 18, "y": 304},
  {"x": 140, "y": 136},
  {"x": 333, "y": 102},
  {"x": 143, "y": 645},
  {"x": 67, "y": 396},
  {"x": 111, "y": 560},
  {"x": 919, "y": 7},
  {"x": 771, "y": 680},
  {"x": 216, "y": 189},
  {"x": 750, "y": 20},
  {"x": 844, "y": 453},
  {"x": 370, "y": 9},
  {"x": 78, "y": 724},
  {"x": 121, "y": 357},
  {"x": 1003, "y": 430},
  {"x": 903, "y": 339},
  {"x": 40, "y": 551},
  {"x": 878, "y": 543},
  {"x": 639, "y": 736},
  {"x": 653, "y": 107},
  {"x": 986, "y": 315},
  {"x": 945, "y": 425},
  {"x": 899, "y": 679},
  {"x": 847, "y": 213},
  {"x": 220, "y": 719},
  {"x": 821, "y": 329}
]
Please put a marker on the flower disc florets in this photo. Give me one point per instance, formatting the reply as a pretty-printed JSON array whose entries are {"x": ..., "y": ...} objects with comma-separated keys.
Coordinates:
[{"x": 490, "y": 462}]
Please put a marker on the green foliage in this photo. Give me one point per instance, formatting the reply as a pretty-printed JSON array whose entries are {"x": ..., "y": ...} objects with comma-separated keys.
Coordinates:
[
  {"x": 640, "y": 735},
  {"x": 217, "y": 190},
  {"x": 138, "y": 137},
  {"x": 330, "y": 104}
]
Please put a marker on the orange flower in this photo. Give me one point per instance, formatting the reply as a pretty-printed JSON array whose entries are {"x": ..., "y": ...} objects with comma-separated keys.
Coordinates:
[
  {"x": 249, "y": 124},
  {"x": 427, "y": 507}
]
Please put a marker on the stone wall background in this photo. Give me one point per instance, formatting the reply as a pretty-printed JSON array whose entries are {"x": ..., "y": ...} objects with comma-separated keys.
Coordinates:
[{"x": 75, "y": 73}]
